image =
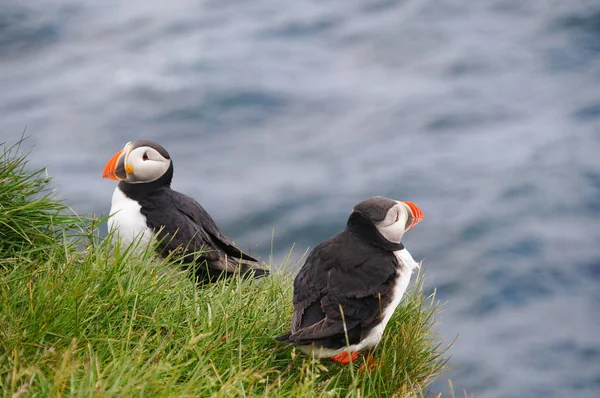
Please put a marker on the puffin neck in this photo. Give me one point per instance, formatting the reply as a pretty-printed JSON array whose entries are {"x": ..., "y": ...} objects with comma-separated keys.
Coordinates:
[
  {"x": 141, "y": 190},
  {"x": 358, "y": 225}
]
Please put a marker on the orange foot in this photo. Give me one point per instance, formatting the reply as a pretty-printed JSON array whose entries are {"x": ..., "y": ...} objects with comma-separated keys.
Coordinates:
[
  {"x": 371, "y": 363},
  {"x": 344, "y": 358}
]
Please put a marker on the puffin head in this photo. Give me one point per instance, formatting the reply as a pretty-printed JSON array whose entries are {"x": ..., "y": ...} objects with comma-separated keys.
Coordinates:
[
  {"x": 140, "y": 162},
  {"x": 389, "y": 218}
]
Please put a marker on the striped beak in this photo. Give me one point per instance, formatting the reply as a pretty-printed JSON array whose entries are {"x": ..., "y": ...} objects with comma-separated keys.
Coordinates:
[
  {"x": 415, "y": 216},
  {"x": 115, "y": 168}
]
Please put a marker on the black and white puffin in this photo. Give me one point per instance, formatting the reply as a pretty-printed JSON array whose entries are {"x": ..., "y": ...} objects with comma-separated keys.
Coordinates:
[
  {"x": 353, "y": 282},
  {"x": 144, "y": 205}
]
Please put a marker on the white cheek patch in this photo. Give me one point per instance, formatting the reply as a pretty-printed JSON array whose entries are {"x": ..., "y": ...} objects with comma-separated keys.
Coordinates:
[
  {"x": 391, "y": 229},
  {"x": 394, "y": 232},
  {"x": 146, "y": 170}
]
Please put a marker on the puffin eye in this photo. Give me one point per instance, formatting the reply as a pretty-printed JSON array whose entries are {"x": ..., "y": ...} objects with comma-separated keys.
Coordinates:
[
  {"x": 397, "y": 217},
  {"x": 145, "y": 156}
]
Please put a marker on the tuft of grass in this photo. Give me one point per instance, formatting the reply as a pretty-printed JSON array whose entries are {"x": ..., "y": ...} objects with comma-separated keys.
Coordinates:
[
  {"x": 89, "y": 318},
  {"x": 31, "y": 218}
]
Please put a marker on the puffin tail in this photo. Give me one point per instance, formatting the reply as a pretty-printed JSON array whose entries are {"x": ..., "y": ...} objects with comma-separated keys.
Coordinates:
[
  {"x": 253, "y": 270},
  {"x": 259, "y": 272},
  {"x": 284, "y": 337}
]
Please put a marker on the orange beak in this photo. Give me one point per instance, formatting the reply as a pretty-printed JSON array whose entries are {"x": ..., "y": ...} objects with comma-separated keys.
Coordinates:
[
  {"x": 111, "y": 166},
  {"x": 416, "y": 212}
]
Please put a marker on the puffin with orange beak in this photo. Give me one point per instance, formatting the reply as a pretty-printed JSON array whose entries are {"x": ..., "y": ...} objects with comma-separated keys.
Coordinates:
[
  {"x": 350, "y": 284},
  {"x": 144, "y": 205}
]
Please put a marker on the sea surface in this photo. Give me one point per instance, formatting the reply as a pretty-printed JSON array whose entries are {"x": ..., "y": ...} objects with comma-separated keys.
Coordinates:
[{"x": 281, "y": 116}]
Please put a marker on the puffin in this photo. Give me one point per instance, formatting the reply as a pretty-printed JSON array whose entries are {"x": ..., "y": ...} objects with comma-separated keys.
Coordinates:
[
  {"x": 350, "y": 285},
  {"x": 144, "y": 206}
]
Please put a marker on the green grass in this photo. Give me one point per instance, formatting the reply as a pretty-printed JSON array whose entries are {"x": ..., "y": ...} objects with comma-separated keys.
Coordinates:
[
  {"x": 79, "y": 317},
  {"x": 31, "y": 220}
]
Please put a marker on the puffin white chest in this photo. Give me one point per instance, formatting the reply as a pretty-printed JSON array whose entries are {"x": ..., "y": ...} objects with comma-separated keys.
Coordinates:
[
  {"x": 403, "y": 274},
  {"x": 127, "y": 220}
]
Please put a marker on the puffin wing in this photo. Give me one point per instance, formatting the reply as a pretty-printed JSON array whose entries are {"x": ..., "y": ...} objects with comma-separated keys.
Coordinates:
[
  {"x": 175, "y": 230},
  {"x": 204, "y": 223},
  {"x": 185, "y": 227},
  {"x": 337, "y": 291},
  {"x": 309, "y": 287}
]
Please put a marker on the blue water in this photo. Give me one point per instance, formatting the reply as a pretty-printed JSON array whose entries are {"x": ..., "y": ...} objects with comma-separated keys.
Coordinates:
[{"x": 283, "y": 116}]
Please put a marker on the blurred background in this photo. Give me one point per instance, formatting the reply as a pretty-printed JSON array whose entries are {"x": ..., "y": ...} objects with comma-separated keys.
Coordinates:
[{"x": 280, "y": 117}]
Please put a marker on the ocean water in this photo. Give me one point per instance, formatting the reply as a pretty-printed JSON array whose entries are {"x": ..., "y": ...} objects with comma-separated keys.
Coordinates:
[{"x": 281, "y": 117}]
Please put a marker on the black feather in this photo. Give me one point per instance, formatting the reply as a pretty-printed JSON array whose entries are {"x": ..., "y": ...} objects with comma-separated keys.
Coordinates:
[
  {"x": 345, "y": 280},
  {"x": 182, "y": 225}
]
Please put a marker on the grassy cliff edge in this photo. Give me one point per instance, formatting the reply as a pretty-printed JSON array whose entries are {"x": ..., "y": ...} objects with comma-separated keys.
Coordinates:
[{"x": 80, "y": 317}]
